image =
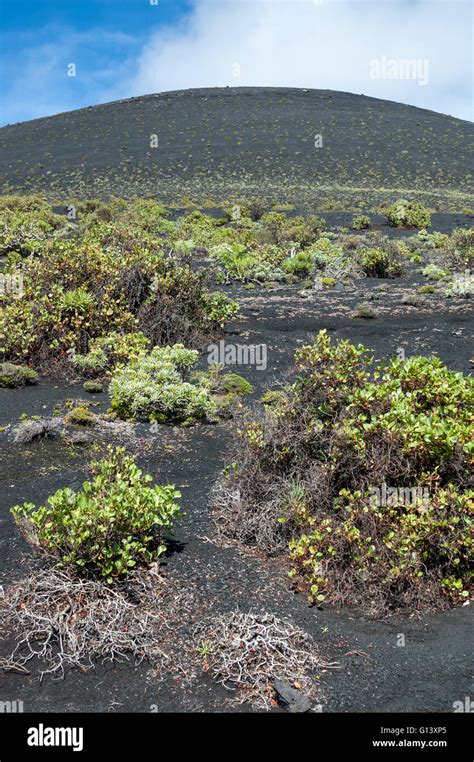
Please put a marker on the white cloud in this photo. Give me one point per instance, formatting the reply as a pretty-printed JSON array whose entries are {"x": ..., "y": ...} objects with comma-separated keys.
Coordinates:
[
  {"x": 304, "y": 43},
  {"x": 288, "y": 43}
]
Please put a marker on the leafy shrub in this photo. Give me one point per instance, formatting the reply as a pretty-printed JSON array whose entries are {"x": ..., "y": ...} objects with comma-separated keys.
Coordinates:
[
  {"x": 302, "y": 230},
  {"x": 304, "y": 472},
  {"x": 26, "y": 223},
  {"x": 77, "y": 300},
  {"x": 265, "y": 271},
  {"x": 113, "y": 523},
  {"x": 328, "y": 282},
  {"x": 106, "y": 352},
  {"x": 153, "y": 386},
  {"x": 459, "y": 249},
  {"x": 301, "y": 264},
  {"x": 378, "y": 263},
  {"x": 462, "y": 286},
  {"x": 360, "y": 222},
  {"x": 282, "y": 229},
  {"x": 219, "y": 308},
  {"x": 395, "y": 546},
  {"x": 412, "y": 300},
  {"x": 233, "y": 383},
  {"x": 408, "y": 214},
  {"x": 105, "y": 284},
  {"x": 253, "y": 208},
  {"x": 234, "y": 260},
  {"x": 433, "y": 272}
]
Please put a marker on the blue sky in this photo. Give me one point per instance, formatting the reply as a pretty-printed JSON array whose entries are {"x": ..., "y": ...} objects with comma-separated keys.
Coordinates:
[{"x": 122, "y": 48}]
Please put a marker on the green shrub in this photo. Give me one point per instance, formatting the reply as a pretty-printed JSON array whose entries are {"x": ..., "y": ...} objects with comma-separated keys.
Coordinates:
[
  {"x": 77, "y": 300},
  {"x": 234, "y": 260},
  {"x": 153, "y": 386},
  {"x": 116, "y": 521},
  {"x": 377, "y": 263},
  {"x": 459, "y": 249},
  {"x": 301, "y": 264},
  {"x": 106, "y": 352},
  {"x": 408, "y": 214},
  {"x": 433, "y": 272},
  {"x": 307, "y": 469},
  {"x": 328, "y": 282},
  {"x": 360, "y": 222},
  {"x": 412, "y": 300},
  {"x": 283, "y": 230},
  {"x": 266, "y": 271},
  {"x": 219, "y": 308},
  {"x": 462, "y": 286},
  {"x": 112, "y": 281},
  {"x": 13, "y": 376},
  {"x": 395, "y": 547},
  {"x": 302, "y": 230},
  {"x": 26, "y": 222}
]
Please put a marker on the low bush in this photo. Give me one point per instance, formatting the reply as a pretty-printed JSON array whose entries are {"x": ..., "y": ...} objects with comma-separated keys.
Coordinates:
[
  {"x": 408, "y": 214},
  {"x": 360, "y": 222},
  {"x": 301, "y": 264},
  {"x": 219, "y": 308},
  {"x": 379, "y": 263},
  {"x": 77, "y": 292},
  {"x": 106, "y": 352},
  {"x": 462, "y": 286},
  {"x": 26, "y": 223},
  {"x": 154, "y": 387},
  {"x": 308, "y": 472},
  {"x": 364, "y": 311},
  {"x": 80, "y": 415},
  {"x": 116, "y": 521},
  {"x": 433, "y": 272},
  {"x": 458, "y": 252}
]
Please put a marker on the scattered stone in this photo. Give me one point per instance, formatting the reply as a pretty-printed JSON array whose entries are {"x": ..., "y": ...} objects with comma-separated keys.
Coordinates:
[
  {"x": 30, "y": 430},
  {"x": 291, "y": 698},
  {"x": 78, "y": 438},
  {"x": 12, "y": 376}
]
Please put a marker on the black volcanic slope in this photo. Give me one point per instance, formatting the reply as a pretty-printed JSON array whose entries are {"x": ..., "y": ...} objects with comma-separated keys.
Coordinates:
[{"x": 231, "y": 142}]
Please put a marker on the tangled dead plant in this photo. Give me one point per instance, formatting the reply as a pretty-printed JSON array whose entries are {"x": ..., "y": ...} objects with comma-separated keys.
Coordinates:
[
  {"x": 246, "y": 652},
  {"x": 67, "y": 621}
]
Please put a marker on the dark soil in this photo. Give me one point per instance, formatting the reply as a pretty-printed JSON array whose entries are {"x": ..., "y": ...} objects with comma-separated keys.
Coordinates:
[
  {"x": 428, "y": 674},
  {"x": 228, "y": 142}
]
